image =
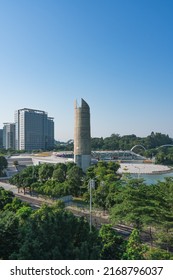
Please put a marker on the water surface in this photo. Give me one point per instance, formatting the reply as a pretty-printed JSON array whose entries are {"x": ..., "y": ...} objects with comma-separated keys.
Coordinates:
[{"x": 153, "y": 178}]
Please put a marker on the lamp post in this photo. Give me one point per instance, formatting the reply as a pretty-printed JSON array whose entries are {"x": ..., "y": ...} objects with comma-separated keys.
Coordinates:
[
  {"x": 138, "y": 171},
  {"x": 91, "y": 186}
]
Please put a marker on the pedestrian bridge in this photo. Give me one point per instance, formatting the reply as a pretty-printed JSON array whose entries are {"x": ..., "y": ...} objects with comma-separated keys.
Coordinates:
[{"x": 116, "y": 155}]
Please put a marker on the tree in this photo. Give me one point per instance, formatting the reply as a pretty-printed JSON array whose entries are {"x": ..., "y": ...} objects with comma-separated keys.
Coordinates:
[
  {"x": 113, "y": 245},
  {"x": 103, "y": 171},
  {"x": 23, "y": 214},
  {"x": 134, "y": 249},
  {"x": 164, "y": 232},
  {"x": 138, "y": 204},
  {"x": 54, "y": 233},
  {"x": 26, "y": 178},
  {"x": 105, "y": 177},
  {"x": 3, "y": 165},
  {"x": 74, "y": 179},
  {"x": 9, "y": 233},
  {"x": 15, "y": 205},
  {"x": 100, "y": 195},
  {"x": 157, "y": 254},
  {"x": 58, "y": 175},
  {"x": 97, "y": 143},
  {"x": 45, "y": 171},
  {"x": 5, "y": 197}
]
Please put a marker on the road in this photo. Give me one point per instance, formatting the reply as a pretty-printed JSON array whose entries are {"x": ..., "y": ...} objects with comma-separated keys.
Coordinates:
[{"x": 35, "y": 201}]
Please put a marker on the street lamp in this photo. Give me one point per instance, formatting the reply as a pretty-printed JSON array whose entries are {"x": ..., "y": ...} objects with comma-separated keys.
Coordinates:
[
  {"x": 91, "y": 186},
  {"x": 138, "y": 171}
]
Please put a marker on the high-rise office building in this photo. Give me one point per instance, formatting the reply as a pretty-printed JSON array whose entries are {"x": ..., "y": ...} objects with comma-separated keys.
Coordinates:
[
  {"x": 50, "y": 132},
  {"x": 82, "y": 138},
  {"x": 34, "y": 130},
  {"x": 9, "y": 136}
]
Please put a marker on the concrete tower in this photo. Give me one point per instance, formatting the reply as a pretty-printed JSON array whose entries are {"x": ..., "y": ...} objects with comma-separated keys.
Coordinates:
[{"x": 82, "y": 136}]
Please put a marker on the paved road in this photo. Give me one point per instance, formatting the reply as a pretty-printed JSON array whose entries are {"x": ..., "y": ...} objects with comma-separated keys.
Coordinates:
[
  {"x": 33, "y": 200},
  {"x": 9, "y": 187}
]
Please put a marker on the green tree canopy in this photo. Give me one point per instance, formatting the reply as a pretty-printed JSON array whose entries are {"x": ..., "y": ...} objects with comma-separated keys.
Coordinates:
[
  {"x": 113, "y": 245},
  {"x": 134, "y": 249},
  {"x": 54, "y": 233},
  {"x": 9, "y": 232},
  {"x": 138, "y": 204},
  {"x": 5, "y": 197},
  {"x": 3, "y": 165}
]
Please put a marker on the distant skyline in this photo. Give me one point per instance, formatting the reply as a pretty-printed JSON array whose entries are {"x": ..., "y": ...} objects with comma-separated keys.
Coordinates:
[{"x": 115, "y": 54}]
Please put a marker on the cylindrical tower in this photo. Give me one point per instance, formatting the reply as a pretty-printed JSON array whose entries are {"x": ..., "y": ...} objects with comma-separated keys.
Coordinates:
[{"x": 82, "y": 136}]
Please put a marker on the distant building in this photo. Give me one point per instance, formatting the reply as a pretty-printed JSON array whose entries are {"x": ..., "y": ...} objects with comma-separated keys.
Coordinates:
[
  {"x": 1, "y": 138},
  {"x": 82, "y": 137},
  {"x": 34, "y": 130},
  {"x": 50, "y": 133},
  {"x": 9, "y": 136}
]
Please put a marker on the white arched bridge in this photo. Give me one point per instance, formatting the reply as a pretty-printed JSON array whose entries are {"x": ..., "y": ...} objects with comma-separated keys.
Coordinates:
[
  {"x": 127, "y": 155},
  {"x": 138, "y": 146}
]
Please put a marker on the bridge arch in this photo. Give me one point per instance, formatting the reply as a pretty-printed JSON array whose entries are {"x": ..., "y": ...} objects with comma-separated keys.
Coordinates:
[{"x": 138, "y": 146}]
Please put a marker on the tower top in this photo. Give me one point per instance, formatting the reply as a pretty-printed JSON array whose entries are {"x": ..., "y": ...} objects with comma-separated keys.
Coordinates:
[{"x": 84, "y": 104}]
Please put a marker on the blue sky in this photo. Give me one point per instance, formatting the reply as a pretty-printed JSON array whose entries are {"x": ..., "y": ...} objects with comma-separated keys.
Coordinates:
[{"x": 115, "y": 54}]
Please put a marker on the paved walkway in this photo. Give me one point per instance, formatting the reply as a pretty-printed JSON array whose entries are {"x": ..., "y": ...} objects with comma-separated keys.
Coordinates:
[{"x": 143, "y": 168}]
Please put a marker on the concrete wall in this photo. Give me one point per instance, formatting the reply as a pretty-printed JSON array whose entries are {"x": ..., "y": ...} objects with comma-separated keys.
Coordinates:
[{"x": 82, "y": 135}]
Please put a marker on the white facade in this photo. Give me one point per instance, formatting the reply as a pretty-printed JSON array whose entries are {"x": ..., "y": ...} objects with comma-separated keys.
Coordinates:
[
  {"x": 34, "y": 130},
  {"x": 9, "y": 136}
]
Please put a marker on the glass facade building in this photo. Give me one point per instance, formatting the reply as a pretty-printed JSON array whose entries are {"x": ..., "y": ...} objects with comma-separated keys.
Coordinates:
[
  {"x": 34, "y": 130},
  {"x": 9, "y": 136}
]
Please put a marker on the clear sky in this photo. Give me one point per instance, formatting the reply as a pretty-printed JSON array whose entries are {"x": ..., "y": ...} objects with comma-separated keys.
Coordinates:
[{"x": 115, "y": 54}]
